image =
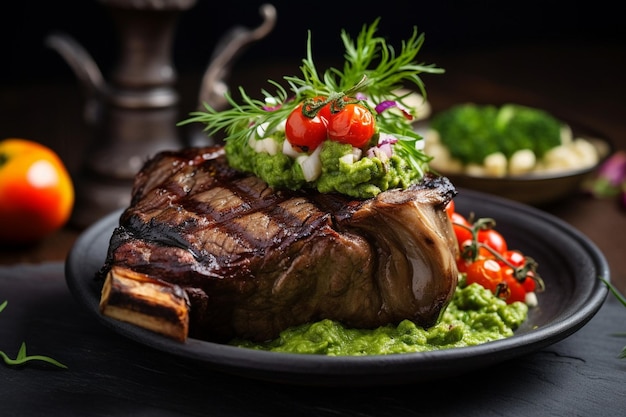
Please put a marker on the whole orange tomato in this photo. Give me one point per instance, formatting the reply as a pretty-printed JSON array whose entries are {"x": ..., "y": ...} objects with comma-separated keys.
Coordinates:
[{"x": 36, "y": 191}]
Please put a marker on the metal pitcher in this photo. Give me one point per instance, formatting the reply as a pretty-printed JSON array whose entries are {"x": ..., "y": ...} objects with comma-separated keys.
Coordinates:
[{"x": 134, "y": 115}]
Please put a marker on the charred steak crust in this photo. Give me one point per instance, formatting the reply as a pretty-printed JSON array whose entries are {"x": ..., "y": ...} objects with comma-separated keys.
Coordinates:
[{"x": 254, "y": 261}]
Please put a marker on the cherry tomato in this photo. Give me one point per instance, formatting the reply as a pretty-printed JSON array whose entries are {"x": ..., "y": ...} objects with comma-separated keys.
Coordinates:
[
  {"x": 486, "y": 272},
  {"x": 450, "y": 208},
  {"x": 513, "y": 257},
  {"x": 324, "y": 112},
  {"x": 460, "y": 226},
  {"x": 353, "y": 124},
  {"x": 305, "y": 132},
  {"x": 516, "y": 259},
  {"x": 493, "y": 239},
  {"x": 516, "y": 291},
  {"x": 462, "y": 264},
  {"x": 36, "y": 191},
  {"x": 529, "y": 283}
]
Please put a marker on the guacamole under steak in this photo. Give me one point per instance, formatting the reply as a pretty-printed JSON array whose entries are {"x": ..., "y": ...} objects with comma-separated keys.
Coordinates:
[{"x": 474, "y": 316}]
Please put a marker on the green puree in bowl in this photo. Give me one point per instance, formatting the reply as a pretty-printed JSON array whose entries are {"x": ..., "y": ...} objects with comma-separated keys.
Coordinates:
[{"x": 474, "y": 316}]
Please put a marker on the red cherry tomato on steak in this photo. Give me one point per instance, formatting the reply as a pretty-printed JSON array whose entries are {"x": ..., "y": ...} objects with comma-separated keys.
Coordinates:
[
  {"x": 305, "y": 132},
  {"x": 353, "y": 124}
]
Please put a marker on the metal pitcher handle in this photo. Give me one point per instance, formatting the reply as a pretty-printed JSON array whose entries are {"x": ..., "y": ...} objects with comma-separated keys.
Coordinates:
[
  {"x": 229, "y": 47},
  {"x": 86, "y": 70}
]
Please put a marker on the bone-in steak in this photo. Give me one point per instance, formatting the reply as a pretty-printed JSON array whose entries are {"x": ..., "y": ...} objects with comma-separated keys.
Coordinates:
[{"x": 252, "y": 261}]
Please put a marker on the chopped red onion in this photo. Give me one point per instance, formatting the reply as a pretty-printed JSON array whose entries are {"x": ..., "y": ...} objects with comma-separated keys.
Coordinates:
[
  {"x": 387, "y": 104},
  {"x": 386, "y": 149},
  {"x": 384, "y": 105},
  {"x": 387, "y": 138}
]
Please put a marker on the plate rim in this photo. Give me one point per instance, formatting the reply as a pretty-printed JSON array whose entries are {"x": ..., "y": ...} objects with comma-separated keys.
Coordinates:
[{"x": 352, "y": 370}]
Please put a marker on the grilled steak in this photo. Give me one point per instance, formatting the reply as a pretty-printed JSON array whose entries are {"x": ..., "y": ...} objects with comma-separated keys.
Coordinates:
[{"x": 253, "y": 261}]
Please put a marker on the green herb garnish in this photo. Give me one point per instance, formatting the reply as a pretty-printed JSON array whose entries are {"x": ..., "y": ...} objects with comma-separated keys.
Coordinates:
[
  {"x": 622, "y": 300},
  {"x": 372, "y": 68},
  {"x": 22, "y": 357}
]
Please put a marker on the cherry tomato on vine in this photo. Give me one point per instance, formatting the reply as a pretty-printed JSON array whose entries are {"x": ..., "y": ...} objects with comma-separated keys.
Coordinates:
[
  {"x": 353, "y": 124},
  {"x": 460, "y": 225},
  {"x": 529, "y": 283},
  {"x": 462, "y": 264},
  {"x": 513, "y": 257},
  {"x": 486, "y": 272},
  {"x": 450, "y": 208},
  {"x": 324, "y": 112},
  {"x": 493, "y": 239},
  {"x": 516, "y": 291},
  {"x": 305, "y": 132}
]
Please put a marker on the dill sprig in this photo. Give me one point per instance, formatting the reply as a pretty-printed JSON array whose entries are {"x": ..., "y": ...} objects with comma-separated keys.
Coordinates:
[
  {"x": 372, "y": 67},
  {"x": 373, "y": 60}
]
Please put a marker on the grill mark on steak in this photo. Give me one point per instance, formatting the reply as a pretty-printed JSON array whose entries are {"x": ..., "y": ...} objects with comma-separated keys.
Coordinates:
[{"x": 254, "y": 261}]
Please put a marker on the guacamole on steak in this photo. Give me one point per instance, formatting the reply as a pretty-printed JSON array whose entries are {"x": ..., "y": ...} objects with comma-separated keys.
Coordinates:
[
  {"x": 474, "y": 316},
  {"x": 363, "y": 178}
]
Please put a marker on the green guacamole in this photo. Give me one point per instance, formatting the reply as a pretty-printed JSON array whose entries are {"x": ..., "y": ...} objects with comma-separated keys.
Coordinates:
[
  {"x": 474, "y": 316},
  {"x": 364, "y": 178}
]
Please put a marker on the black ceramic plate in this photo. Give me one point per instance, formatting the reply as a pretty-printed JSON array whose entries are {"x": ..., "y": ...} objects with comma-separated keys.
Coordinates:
[{"x": 569, "y": 263}]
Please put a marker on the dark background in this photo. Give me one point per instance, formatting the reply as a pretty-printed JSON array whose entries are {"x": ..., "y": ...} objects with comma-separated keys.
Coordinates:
[{"x": 449, "y": 27}]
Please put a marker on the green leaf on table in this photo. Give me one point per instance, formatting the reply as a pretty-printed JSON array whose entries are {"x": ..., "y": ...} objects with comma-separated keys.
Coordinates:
[
  {"x": 622, "y": 300},
  {"x": 22, "y": 357}
]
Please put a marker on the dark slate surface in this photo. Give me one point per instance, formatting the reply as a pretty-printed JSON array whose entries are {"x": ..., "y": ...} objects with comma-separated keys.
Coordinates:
[{"x": 109, "y": 375}]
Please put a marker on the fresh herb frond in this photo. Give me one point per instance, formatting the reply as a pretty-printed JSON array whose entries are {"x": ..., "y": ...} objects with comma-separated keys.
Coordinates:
[
  {"x": 309, "y": 71},
  {"x": 386, "y": 69},
  {"x": 614, "y": 291},
  {"x": 622, "y": 300},
  {"x": 372, "y": 67},
  {"x": 410, "y": 143},
  {"x": 22, "y": 357},
  {"x": 407, "y": 148},
  {"x": 360, "y": 55},
  {"x": 240, "y": 120}
]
